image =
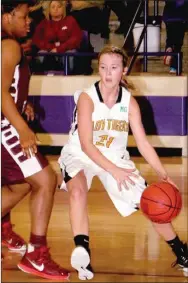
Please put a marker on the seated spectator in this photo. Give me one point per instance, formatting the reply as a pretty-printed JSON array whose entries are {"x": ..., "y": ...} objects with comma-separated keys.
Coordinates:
[
  {"x": 175, "y": 16},
  {"x": 57, "y": 33}
]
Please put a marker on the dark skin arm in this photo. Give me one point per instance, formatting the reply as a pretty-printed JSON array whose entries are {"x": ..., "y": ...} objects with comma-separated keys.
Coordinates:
[{"x": 11, "y": 55}]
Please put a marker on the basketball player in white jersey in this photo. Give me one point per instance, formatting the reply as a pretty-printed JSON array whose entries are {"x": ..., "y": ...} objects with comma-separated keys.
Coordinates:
[{"x": 97, "y": 147}]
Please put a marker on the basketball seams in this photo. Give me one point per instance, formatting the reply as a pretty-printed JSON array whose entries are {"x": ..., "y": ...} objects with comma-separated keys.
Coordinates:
[
  {"x": 162, "y": 213},
  {"x": 160, "y": 202},
  {"x": 159, "y": 206},
  {"x": 169, "y": 197},
  {"x": 164, "y": 193},
  {"x": 154, "y": 185},
  {"x": 175, "y": 203}
]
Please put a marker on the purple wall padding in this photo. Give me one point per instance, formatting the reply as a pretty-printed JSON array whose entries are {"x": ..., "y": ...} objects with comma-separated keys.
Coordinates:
[
  {"x": 161, "y": 115},
  {"x": 54, "y": 113}
]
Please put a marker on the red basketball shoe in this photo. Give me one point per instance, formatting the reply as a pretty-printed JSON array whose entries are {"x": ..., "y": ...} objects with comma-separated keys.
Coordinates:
[
  {"x": 37, "y": 261},
  {"x": 10, "y": 239}
]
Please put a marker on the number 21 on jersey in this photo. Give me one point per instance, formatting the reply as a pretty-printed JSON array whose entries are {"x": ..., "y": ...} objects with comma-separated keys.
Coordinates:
[{"x": 105, "y": 140}]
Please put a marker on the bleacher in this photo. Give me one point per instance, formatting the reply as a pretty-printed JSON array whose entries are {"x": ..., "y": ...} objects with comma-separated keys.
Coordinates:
[{"x": 155, "y": 63}]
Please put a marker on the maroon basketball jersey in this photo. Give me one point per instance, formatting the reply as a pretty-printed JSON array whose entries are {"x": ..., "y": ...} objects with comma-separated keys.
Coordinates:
[
  {"x": 15, "y": 165},
  {"x": 20, "y": 83}
]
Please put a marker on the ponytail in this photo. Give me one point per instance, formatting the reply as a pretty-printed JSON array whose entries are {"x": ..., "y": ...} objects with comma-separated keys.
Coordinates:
[{"x": 127, "y": 84}]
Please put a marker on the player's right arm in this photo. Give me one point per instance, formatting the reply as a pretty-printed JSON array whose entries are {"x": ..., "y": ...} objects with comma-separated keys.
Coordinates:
[
  {"x": 85, "y": 130},
  {"x": 11, "y": 55}
]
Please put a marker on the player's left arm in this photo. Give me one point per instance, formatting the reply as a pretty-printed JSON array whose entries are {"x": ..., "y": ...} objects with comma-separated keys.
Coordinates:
[{"x": 144, "y": 147}]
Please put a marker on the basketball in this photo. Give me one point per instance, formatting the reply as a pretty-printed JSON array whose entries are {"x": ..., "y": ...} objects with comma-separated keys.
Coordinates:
[{"x": 161, "y": 202}]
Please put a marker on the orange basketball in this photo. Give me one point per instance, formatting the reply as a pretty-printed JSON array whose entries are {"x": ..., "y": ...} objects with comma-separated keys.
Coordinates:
[{"x": 161, "y": 202}]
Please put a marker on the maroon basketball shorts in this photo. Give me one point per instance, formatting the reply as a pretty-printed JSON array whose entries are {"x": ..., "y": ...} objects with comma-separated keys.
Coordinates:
[{"x": 15, "y": 167}]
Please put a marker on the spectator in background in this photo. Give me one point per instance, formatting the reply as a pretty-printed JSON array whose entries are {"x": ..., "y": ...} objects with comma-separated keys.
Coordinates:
[
  {"x": 92, "y": 18},
  {"x": 125, "y": 11},
  {"x": 57, "y": 32},
  {"x": 175, "y": 16},
  {"x": 88, "y": 14}
]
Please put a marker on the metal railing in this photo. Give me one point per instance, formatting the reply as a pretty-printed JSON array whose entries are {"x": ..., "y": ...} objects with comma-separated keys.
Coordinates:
[
  {"x": 66, "y": 56},
  {"x": 143, "y": 6}
]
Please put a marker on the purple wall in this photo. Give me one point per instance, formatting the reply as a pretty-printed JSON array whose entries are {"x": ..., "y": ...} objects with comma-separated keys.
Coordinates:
[{"x": 161, "y": 115}]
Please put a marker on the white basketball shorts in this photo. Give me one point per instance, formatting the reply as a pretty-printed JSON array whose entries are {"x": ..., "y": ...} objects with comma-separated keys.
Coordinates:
[{"x": 125, "y": 200}]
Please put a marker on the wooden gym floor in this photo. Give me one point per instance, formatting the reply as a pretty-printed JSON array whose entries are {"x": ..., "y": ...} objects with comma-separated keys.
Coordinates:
[{"x": 123, "y": 249}]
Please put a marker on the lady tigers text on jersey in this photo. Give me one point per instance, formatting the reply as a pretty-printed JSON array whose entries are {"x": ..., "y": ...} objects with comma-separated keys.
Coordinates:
[{"x": 110, "y": 124}]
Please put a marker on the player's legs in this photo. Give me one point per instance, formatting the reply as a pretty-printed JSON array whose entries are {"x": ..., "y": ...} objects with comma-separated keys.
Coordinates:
[
  {"x": 167, "y": 232},
  {"x": 80, "y": 258},
  {"x": 42, "y": 180},
  {"x": 37, "y": 259},
  {"x": 78, "y": 178},
  {"x": 77, "y": 190},
  {"x": 127, "y": 201},
  {"x": 15, "y": 167},
  {"x": 11, "y": 195},
  {"x": 43, "y": 186}
]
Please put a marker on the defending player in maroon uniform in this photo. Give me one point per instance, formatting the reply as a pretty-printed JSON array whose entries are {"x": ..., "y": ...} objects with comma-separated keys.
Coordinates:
[{"x": 24, "y": 169}]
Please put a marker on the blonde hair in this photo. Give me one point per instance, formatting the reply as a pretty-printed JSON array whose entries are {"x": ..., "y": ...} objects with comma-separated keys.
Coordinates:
[
  {"x": 47, "y": 10},
  {"x": 111, "y": 49},
  {"x": 45, "y": 5}
]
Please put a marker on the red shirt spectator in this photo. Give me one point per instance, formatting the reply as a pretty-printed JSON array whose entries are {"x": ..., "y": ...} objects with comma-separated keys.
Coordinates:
[{"x": 58, "y": 33}]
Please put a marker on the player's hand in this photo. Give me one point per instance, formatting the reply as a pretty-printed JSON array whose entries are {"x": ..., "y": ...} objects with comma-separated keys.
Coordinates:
[
  {"x": 54, "y": 50},
  {"x": 29, "y": 111},
  {"x": 122, "y": 176},
  {"x": 28, "y": 142},
  {"x": 42, "y": 51},
  {"x": 168, "y": 180}
]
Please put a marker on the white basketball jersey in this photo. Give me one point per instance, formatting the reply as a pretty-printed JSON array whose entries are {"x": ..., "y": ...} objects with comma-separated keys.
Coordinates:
[{"x": 110, "y": 125}]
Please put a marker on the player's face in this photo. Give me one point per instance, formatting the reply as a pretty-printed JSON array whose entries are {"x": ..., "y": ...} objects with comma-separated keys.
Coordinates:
[
  {"x": 20, "y": 21},
  {"x": 111, "y": 69},
  {"x": 56, "y": 9}
]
